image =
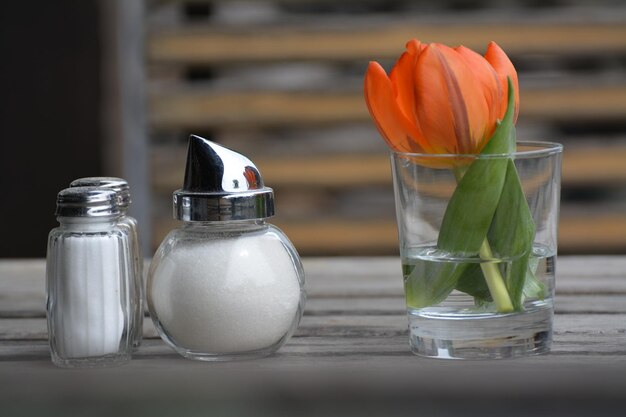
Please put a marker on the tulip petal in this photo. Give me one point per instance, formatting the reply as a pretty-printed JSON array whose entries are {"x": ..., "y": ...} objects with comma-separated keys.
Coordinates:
[
  {"x": 489, "y": 81},
  {"x": 381, "y": 103},
  {"x": 504, "y": 68},
  {"x": 402, "y": 79},
  {"x": 451, "y": 107},
  {"x": 414, "y": 47}
]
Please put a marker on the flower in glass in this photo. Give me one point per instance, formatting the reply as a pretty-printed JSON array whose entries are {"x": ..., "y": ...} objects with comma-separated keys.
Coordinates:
[{"x": 439, "y": 99}]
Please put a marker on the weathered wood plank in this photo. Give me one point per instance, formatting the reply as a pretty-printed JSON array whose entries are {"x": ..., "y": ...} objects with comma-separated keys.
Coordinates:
[
  {"x": 23, "y": 329},
  {"x": 28, "y": 275},
  {"x": 262, "y": 44},
  {"x": 571, "y": 270},
  {"x": 598, "y": 232},
  {"x": 582, "y": 166},
  {"x": 22, "y": 287},
  {"x": 370, "y": 305},
  {"x": 592, "y": 333},
  {"x": 295, "y": 171},
  {"x": 591, "y": 165},
  {"x": 379, "y": 305},
  {"x": 564, "y": 345},
  {"x": 333, "y": 280},
  {"x": 332, "y": 348},
  {"x": 344, "y": 276},
  {"x": 197, "y": 109},
  {"x": 324, "y": 237},
  {"x": 173, "y": 110},
  {"x": 36, "y": 328}
]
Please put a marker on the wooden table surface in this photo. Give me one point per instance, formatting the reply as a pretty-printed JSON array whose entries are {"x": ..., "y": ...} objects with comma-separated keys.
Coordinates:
[{"x": 349, "y": 356}]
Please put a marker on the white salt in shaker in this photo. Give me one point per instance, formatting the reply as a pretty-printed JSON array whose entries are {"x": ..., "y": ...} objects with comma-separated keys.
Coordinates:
[
  {"x": 121, "y": 188},
  {"x": 226, "y": 284},
  {"x": 88, "y": 274}
]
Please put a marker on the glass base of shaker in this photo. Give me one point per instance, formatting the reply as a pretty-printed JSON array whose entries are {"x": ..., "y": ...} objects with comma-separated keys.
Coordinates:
[
  {"x": 92, "y": 362},
  {"x": 207, "y": 355},
  {"x": 481, "y": 336},
  {"x": 136, "y": 344},
  {"x": 223, "y": 357}
]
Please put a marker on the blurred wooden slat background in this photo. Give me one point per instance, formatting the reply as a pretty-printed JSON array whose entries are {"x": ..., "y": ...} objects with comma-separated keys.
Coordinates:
[{"x": 281, "y": 82}]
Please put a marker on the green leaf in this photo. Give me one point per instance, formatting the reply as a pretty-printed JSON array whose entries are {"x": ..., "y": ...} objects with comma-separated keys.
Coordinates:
[
  {"x": 513, "y": 230},
  {"x": 533, "y": 288},
  {"x": 512, "y": 233},
  {"x": 428, "y": 283},
  {"x": 472, "y": 282},
  {"x": 517, "y": 279},
  {"x": 472, "y": 206}
]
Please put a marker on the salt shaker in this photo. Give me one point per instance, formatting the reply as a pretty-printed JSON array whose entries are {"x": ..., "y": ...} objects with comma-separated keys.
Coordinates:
[
  {"x": 88, "y": 281},
  {"x": 120, "y": 186},
  {"x": 225, "y": 284}
]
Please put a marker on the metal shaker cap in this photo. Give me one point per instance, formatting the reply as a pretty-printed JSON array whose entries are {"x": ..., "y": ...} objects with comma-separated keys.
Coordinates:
[
  {"x": 119, "y": 185},
  {"x": 221, "y": 185},
  {"x": 87, "y": 202}
]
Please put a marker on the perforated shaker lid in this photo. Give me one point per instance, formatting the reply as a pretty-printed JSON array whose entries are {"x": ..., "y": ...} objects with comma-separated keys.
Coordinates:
[
  {"x": 87, "y": 202},
  {"x": 221, "y": 185},
  {"x": 119, "y": 185}
]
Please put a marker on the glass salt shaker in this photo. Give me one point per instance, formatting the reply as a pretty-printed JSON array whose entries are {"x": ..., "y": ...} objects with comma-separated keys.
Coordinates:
[
  {"x": 120, "y": 186},
  {"x": 88, "y": 281},
  {"x": 226, "y": 284}
]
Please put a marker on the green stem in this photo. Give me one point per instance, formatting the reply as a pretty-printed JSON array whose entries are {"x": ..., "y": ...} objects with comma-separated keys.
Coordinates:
[
  {"x": 492, "y": 274},
  {"x": 494, "y": 280}
]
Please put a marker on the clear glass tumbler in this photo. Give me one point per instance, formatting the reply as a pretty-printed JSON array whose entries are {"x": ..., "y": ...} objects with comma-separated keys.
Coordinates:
[{"x": 491, "y": 302}]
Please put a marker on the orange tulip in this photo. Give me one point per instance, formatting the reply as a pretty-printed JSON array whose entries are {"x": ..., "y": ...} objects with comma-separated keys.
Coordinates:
[{"x": 440, "y": 100}]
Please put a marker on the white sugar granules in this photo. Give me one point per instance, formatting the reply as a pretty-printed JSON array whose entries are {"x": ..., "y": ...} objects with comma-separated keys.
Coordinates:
[
  {"x": 226, "y": 296},
  {"x": 89, "y": 319}
]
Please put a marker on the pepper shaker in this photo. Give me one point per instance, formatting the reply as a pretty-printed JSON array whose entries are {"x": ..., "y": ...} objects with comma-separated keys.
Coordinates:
[
  {"x": 226, "y": 284},
  {"x": 121, "y": 188},
  {"x": 88, "y": 281}
]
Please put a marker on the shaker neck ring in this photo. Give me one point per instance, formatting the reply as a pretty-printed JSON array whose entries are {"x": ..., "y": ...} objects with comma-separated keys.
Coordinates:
[{"x": 205, "y": 207}]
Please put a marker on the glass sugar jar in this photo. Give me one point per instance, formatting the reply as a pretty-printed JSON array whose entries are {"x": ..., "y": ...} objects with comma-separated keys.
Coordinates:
[
  {"x": 89, "y": 281},
  {"x": 225, "y": 284}
]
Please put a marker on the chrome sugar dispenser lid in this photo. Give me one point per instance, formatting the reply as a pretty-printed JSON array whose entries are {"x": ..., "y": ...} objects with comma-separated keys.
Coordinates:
[
  {"x": 119, "y": 185},
  {"x": 221, "y": 185},
  {"x": 87, "y": 202}
]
